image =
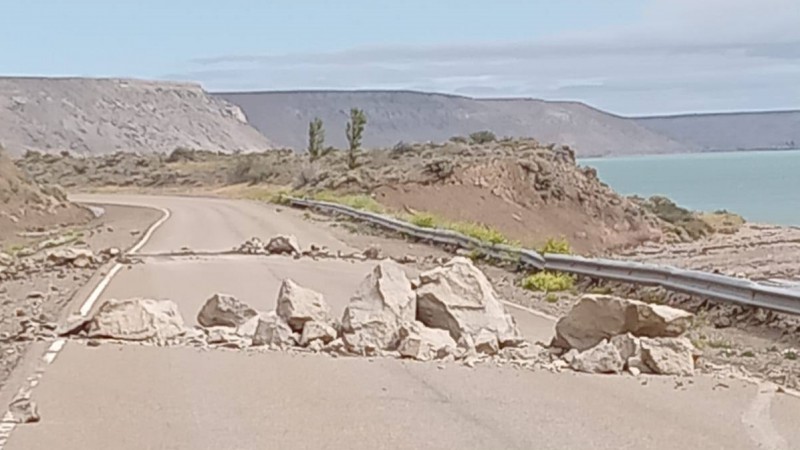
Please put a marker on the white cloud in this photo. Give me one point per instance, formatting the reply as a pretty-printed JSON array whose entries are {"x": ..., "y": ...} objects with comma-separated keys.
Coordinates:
[{"x": 684, "y": 55}]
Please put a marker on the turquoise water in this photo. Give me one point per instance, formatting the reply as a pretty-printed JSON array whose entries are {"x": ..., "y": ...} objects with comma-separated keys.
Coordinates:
[{"x": 762, "y": 186}]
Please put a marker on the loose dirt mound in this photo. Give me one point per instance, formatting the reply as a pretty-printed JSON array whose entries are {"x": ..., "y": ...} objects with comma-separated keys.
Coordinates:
[
  {"x": 98, "y": 116},
  {"x": 528, "y": 191},
  {"x": 25, "y": 205}
]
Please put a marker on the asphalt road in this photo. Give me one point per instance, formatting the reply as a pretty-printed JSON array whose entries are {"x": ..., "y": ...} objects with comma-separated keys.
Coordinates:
[{"x": 135, "y": 397}]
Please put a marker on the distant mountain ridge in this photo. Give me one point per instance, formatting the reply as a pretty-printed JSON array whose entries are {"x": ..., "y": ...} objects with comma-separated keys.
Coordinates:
[
  {"x": 410, "y": 116},
  {"x": 757, "y": 130}
]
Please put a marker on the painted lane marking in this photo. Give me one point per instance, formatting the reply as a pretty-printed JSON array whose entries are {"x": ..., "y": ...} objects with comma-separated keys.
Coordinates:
[{"x": 7, "y": 425}]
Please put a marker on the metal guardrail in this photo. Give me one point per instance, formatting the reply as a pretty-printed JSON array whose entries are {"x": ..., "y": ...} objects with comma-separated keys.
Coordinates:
[{"x": 717, "y": 287}]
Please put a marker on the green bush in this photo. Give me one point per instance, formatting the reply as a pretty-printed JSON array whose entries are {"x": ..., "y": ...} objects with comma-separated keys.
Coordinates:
[
  {"x": 481, "y": 232},
  {"x": 424, "y": 220},
  {"x": 357, "y": 201},
  {"x": 560, "y": 246},
  {"x": 482, "y": 137},
  {"x": 548, "y": 282}
]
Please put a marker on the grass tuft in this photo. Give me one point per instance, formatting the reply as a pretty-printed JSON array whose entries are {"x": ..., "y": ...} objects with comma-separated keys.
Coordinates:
[{"x": 549, "y": 282}]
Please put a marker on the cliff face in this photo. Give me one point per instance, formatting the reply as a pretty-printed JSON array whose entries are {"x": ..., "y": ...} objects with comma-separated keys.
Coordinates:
[
  {"x": 99, "y": 116},
  {"x": 419, "y": 117}
]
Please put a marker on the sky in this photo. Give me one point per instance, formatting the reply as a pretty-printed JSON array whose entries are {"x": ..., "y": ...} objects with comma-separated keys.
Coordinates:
[{"x": 629, "y": 57}]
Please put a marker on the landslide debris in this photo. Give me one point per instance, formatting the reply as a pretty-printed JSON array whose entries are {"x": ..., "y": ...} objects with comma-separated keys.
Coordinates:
[
  {"x": 448, "y": 313},
  {"x": 97, "y": 116}
]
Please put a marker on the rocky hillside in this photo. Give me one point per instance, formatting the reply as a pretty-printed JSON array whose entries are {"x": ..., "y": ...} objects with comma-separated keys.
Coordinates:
[
  {"x": 26, "y": 206},
  {"x": 418, "y": 117},
  {"x": 776, "y": 130},
  {"x": 527, "y": 191},
  {"x": 98, "y": 116}
]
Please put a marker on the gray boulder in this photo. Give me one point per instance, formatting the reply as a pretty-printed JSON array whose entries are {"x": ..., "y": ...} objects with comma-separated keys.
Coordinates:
[
  {"x": 298, "y": 305},
  {"x": 602, "y": 358},
  {"x": 459, "y": 298},
  {"x": 222, "y": 310},
  {"x": 669, "y": 356},
  {"x": 424, "y": 344},
  {"x": 382, "y": 303},
  {"x": 598, "y": 317},
  {"x": 137, "y": 320},
  {"x": 273, "y": 331}
]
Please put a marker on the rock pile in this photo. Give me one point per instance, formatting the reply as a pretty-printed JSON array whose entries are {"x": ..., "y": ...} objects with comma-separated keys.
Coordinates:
[
  {"x": 449, "y": 313},
  {"x": 604, "y": 334},
  {"x": 278, "y": 245}
]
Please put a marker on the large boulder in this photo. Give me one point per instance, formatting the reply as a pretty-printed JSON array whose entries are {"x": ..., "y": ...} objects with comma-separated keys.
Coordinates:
[
  {"x": 602, "y": 358},
  {"x": 283, "y": 245},
  {"x": 668, "y": 356},
  {"x": 382, "y": 303},
  {"x": 298, "y": 305},
  {"x": 598, "y": 317},
  {"x": 223, "y": 310},
  {"x": 424, "y": 344},
  {"x": 272, "y": 330},
  {"x": 459, "y": 298},
  {"x": 137, "y": 320}
]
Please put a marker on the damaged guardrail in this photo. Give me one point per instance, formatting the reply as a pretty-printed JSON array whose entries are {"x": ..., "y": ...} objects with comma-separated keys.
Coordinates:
[{"x": 714, "y": 286}]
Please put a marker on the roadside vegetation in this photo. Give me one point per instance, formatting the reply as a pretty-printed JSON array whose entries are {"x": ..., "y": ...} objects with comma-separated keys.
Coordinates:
[{"x": 547, "y": 281}]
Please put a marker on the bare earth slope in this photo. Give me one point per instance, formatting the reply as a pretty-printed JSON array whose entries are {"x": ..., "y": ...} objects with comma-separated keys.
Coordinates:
[
  {"x": 25, "y": 205},
  {"x": 736, "y": 131},
  {"x": 419, "y": 117},
  {"x": 97, "y": 116}
]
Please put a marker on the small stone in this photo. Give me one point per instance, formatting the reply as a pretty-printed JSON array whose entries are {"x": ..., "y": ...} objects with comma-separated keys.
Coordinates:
[
  {"x": 317, "y": 331},
  {"x": 23, "y": 410},
  {"x": 486, "y": 343},
  {"x": 283, "y": 245}
]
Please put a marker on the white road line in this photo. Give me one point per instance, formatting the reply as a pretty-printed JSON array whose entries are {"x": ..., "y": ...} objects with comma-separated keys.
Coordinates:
[
  {"x": 8, "y": 425},
  {"x": 531, "y": 311},
  {"x": 166, "y": 215},
  {"x": 98, "y": 290},
  {"x": 87, "y": 306}
]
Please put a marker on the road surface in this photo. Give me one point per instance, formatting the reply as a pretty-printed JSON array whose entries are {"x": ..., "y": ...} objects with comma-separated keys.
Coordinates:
[{"x": 137, "y": 397}]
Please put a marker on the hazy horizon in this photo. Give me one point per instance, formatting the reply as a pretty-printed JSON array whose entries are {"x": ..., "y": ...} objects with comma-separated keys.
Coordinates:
[{"x": 627, "y": 57}]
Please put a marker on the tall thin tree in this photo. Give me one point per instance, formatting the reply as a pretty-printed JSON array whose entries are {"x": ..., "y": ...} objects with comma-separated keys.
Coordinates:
[
  {"x": 316, "y": 138},
  {"x": 355, "y": 131}
]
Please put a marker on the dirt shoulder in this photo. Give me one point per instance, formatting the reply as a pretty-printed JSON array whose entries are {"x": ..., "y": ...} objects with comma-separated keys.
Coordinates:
[{"x": 33, "y": 293}]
